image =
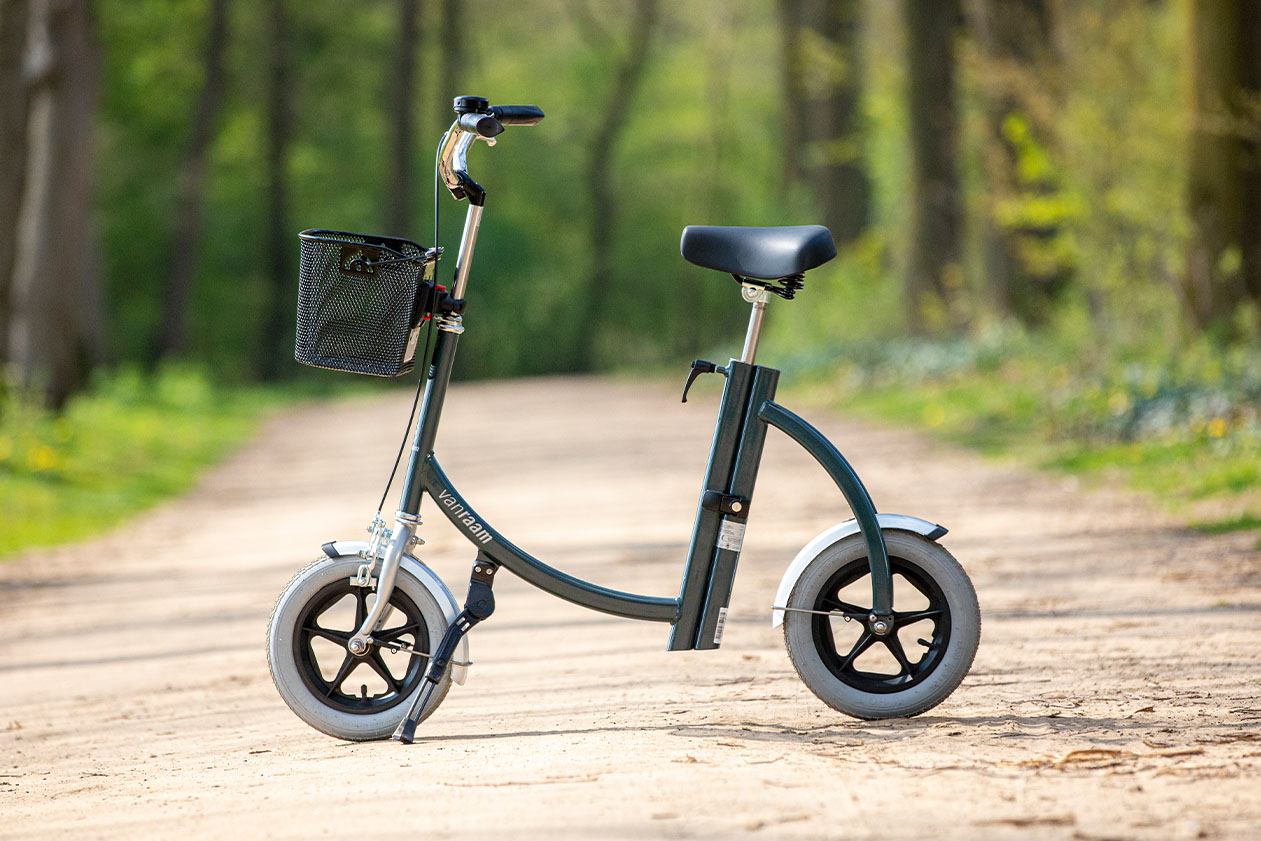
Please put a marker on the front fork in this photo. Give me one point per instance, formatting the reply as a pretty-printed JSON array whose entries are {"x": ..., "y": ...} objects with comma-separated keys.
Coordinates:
[{"x": 401, "y": 540}]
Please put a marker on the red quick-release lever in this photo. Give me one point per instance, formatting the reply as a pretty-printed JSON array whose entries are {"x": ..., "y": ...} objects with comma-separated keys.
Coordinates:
[{"x": 438, "y": 290}]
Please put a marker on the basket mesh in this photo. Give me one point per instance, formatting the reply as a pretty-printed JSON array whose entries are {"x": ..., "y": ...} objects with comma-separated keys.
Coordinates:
[{"x": 357, "y": 302}]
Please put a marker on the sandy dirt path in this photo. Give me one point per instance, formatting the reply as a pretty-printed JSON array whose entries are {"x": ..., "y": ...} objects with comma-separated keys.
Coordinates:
[{"x": 1117, "y": 692}]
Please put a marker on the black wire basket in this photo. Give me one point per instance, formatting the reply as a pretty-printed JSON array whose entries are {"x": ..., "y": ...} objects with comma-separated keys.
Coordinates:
[{"x": 360, "y": 301}]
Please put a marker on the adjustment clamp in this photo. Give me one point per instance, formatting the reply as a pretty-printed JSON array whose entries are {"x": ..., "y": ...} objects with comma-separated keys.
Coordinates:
[
  {"x": 434, "y": 299},
  {"x": 480, "y": 602}
]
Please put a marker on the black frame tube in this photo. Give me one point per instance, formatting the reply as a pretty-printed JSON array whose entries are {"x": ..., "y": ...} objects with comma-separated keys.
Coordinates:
[
  {"x": 502, "y": 551},
  {"x": 748, "y": 457},
  {"x": 831, "y": 460},
  {"x": 696, "y": 613},
  {"x": 722, "y": 455},
  {"x": 439, "y": 376}
]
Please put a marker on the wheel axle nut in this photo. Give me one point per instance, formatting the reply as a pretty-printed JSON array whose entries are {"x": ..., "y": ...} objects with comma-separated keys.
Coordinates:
[
  {"x": 358, "y": 646},
  {"x": 880, "y": 626}
]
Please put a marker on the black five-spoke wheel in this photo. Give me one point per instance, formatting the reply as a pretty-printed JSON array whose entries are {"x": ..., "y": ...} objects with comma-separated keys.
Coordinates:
[
  {"x": 846, "y": 660},
  {"x": 390, "y": 685}
]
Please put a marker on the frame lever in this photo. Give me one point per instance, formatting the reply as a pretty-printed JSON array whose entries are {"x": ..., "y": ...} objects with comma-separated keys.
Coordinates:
[
  {"x": 724, "y": 503},
  {"x": 700, "y": 366}
]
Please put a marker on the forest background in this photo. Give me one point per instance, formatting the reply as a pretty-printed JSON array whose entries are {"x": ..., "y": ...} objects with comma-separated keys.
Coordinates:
[{"x": 1048, "y": 212}]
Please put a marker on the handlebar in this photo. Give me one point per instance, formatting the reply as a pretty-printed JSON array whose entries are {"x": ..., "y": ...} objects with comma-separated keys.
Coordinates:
[
  {"x": 518, "y": 115},
  {"x": 475, "y": 118},
  {"x": 491, "y": 124}
]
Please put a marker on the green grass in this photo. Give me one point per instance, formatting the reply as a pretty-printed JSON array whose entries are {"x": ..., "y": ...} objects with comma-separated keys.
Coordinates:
[
  {"x": 1185, "y": 428},
  {"x": 1000, "y": 419},
  {"x": 128, "y": 443},
  {"x": 993, "y": 417},
  {"x": 1178, "y": 471},
  {"x": 1243, "y": 522}
]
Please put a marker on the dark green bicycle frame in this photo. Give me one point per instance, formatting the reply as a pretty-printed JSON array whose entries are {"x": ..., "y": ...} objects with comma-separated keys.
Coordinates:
[{"x": 696, "y": 614}]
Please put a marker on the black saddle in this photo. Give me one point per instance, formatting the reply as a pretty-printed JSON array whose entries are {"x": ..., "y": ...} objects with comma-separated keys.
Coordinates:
[{"x": 763, "y": 253}]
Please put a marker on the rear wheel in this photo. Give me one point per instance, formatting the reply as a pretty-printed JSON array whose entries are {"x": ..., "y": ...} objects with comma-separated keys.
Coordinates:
[
  {"x": 914, "y": 667},
  {"x": 349, "y": 697}
]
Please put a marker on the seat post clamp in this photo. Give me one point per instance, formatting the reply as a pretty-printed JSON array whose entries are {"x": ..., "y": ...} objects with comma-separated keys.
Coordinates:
[
  {"x": 753, "y": 290},
  {"x": 754, "y": 293}
]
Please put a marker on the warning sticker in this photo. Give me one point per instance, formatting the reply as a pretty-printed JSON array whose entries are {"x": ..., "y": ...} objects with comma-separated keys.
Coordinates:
[{"x": 731, "y": 535}]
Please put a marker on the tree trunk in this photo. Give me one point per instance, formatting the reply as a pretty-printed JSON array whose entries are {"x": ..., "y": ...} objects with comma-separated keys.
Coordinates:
[
  {"x": 14, "y": 21},
  {"x": 700, "y": 314},
  {"x": 172, "y": 337},
  {"x": 823, "y": 109},
  {"x": 278, "y": 244},
  {"x": 1223, "y": 172},
  {"x": 450, "y": 60},
  {"x": 835, "y": 108},
  {"x": 398, "y": 213},
  {"x": 52, "y": 339},
  {"x": 1250, "y": 148},
  {"x": 934, "y": 270},
  {"x": 792, "y": 78},
  {"x": 1022, "y": 268},
  {"x": 611, "y": 120}
]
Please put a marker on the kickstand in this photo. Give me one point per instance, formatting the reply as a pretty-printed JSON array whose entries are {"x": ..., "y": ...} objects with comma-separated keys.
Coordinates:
[{"x": 478, "y": 605}]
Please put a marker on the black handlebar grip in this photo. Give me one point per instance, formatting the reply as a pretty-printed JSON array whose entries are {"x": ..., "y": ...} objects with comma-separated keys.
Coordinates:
[
  {"x": 482, "y": 124},
  {"x": 518, "y": 115}
]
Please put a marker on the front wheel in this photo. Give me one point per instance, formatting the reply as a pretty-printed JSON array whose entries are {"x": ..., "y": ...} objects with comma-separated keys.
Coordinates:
[
  {"x": 348, "y": 697},
  {"x": 936, "y": 628}
]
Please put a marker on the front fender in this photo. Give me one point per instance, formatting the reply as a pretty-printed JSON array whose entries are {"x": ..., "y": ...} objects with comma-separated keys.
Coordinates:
[
  {"x": 835, "y": 534},
  {"x": 427, "y": 577}
]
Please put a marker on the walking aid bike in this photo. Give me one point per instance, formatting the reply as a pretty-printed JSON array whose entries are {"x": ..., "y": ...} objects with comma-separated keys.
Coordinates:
[{"x": 363, "y": 302}]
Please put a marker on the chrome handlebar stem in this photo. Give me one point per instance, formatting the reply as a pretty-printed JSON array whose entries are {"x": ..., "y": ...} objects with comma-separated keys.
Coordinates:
[
  {"x": 453, "y": 157},
  {"x": 468, "y": 243},
  {"x": 453, "y": 169}
]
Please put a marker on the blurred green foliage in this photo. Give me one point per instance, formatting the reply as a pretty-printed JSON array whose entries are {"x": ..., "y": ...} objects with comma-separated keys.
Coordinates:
[
  {"x": 128, "y": 443},
  {"x": 1116, "y": 382},
  {"x": 700, "y": 147},
  {"x": 1184, "y": 424}
]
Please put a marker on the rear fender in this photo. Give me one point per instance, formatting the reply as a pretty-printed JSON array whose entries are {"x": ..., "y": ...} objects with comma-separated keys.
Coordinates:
[
  {"x": 837, "y": 533},
  {"x": 431, "y": 582}
]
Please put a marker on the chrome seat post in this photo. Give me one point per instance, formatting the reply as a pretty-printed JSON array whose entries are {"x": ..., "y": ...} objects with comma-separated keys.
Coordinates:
[{"x": 758, "y": 297}]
